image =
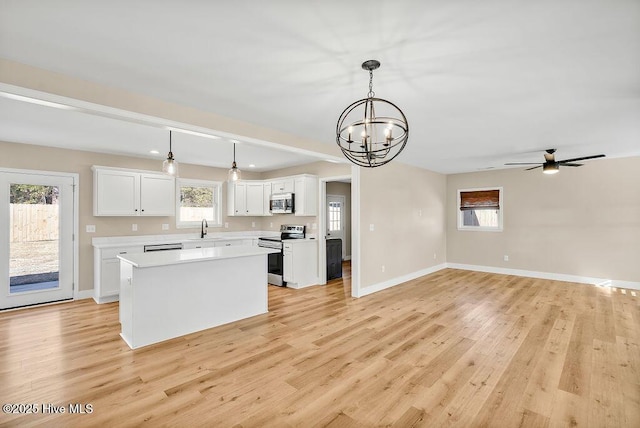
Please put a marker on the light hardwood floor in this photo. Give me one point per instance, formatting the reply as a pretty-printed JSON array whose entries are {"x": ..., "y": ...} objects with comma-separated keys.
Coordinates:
[{"x": 455, "y": 348}]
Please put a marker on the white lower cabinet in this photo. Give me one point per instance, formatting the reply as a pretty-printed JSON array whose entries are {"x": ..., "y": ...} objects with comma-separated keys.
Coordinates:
[
  {"x": 202, "y": 244},
  {"x": 300, "y": 262},
  {"x": 106, "y": 272},
  {"x": 229, "y": 243},
  {"x": 106, "y": 265}
]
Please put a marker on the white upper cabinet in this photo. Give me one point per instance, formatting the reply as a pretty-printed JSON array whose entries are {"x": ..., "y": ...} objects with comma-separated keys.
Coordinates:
[
  {"x": 121, "y": 192},
  {"x": 252, "y": 197},
  {"x": 245, "y": 198},
  {"x": 236, "y": 198},
  {"x": 306, "y": 195},
  {"x": 255, "y": 198},
  {"x": 157, "y": 195},
  {"x": 282, "y": 185},
  {"x": 266, "y": 198}
]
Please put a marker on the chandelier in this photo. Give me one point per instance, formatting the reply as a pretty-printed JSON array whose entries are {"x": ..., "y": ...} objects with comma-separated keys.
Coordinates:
[{"x": 372, "y": 131}]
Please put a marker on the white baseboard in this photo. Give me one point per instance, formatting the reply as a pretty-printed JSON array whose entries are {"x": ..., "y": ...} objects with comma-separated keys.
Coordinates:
[
  {"x": 505, "y": 271},
  {"x": 82, "y": 294},
  {"x": 399, "y": 280},
  {"x": 548, "y": 275}
]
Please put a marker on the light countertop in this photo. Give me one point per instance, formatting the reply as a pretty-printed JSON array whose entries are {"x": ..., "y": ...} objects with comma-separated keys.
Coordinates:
[
  {"x": 163, "y": 258},
  {"x": 123, "y": 241}
]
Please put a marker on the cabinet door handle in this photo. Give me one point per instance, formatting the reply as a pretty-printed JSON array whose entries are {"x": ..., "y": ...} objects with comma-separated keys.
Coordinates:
[
  {"x": 142, "y": 210},
  {"x": 123, "y": 252},
  {"x": 136, "y": 210}
]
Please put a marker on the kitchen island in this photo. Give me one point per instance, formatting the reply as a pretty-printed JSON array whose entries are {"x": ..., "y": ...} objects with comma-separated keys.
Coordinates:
[{"x": 168, "y": 294}]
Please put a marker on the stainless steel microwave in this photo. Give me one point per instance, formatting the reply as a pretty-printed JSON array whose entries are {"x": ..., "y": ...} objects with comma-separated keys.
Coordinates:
[{"x": 282, "y": 203}]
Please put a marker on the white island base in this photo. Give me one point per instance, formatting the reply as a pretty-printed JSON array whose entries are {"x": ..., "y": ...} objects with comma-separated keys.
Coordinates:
[{"x": 168, "y": 294}]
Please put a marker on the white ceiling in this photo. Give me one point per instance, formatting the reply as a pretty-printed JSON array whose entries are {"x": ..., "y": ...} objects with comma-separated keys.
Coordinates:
[{"x": 481, "y": 83}]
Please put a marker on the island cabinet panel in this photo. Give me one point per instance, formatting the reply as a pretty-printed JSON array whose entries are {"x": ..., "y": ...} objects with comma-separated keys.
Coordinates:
[
  {"x": 122, "y": 192},
  {"x": 162, "y": 302}
]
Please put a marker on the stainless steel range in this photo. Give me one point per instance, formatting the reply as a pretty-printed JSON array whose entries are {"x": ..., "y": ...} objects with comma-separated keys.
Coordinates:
[{"x": 275, "y": 269}]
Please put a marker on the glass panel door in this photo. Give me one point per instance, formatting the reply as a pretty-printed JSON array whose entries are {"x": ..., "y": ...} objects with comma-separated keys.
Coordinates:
[
  {"x": 36, "y": 222},
  {"x": 335, "y": 219}
]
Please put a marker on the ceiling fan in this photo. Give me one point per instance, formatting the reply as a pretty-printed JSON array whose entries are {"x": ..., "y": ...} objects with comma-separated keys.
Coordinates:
[{"x": 551, "y": 165}]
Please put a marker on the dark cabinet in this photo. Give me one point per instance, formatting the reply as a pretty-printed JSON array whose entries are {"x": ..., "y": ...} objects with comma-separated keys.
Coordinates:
[{"x": 334, "y": 258}]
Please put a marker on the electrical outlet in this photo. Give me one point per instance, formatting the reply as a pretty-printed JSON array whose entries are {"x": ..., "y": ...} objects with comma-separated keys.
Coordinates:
[
  {"x": 434, "y": 256},
  {"x": 134, "y": 227},
  {"x": 314, "y": 226},
  {"x": 371, "y": 227},
  {"x": 382, "y": 268},
  {"x": 226, "y": 225},
  {"x": 419, "y": 213},
  {"x": 91, "y": 228},
  {"x": 165, "y": 226},
  {"x": 506, "y": 258},
  {"x": 271, "y": 224},
  {"x": 253, "y": 224}
]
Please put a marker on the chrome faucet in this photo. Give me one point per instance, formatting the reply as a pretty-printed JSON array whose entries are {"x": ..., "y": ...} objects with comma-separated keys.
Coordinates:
[{"x": 203, "y": 229}]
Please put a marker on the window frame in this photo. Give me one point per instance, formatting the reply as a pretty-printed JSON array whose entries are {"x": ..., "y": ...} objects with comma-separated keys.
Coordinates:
[
  {"x": 217, "y": 202},
  {"x": 460, "y": 213}
]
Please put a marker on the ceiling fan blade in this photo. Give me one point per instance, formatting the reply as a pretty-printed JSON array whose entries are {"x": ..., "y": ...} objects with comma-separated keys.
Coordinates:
[
  {"x": 529, "y": 169},
  {"x": 524, "y": 163},
  {"x": 572, "y": 164},
  {"x": 579, "y": 159}
]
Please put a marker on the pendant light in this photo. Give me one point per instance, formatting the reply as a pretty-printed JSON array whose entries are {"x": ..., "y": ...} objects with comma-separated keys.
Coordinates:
[
  {"x": 380, "y": 128},
  {"x": 234, "y": 172},
  {"x": 170, "y": 165}
]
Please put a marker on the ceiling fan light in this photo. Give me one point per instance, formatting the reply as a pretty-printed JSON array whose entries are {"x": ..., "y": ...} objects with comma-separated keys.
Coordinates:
[{"x": 550, "y": 168}]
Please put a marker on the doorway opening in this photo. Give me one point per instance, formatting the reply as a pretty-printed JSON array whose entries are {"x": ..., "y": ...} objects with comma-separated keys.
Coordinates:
[{"x": 336, "y": 232}]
